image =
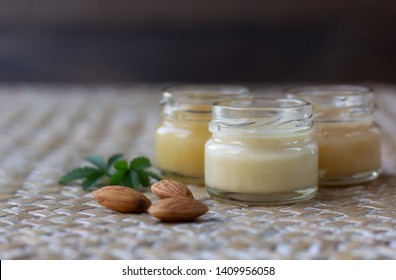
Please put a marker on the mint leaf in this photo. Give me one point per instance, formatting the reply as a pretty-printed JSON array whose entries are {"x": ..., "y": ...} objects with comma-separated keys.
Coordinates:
[
  {"x": 133, "y": 175},
  {"x": 121, "y": 165},
  {"x": 97, "y": 160},
  {"x": 92, "y": 180},
  {"x": 140, "y": 163},
  {"x": 144, "y": 178},
  {"x": 135, "y": 181},
  {"x": 117, "y": 177},
  {"x": 76, "y": 174},
  {"x": 126, "y": 180},
  {"x": 153, "y": 176},
  {"x": 113, "y": 159}
]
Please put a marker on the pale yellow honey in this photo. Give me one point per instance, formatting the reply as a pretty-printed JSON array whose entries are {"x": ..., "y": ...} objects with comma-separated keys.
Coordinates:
[
  {"x": 347, "y": 149},
  {"x": 261, "y": 166}
]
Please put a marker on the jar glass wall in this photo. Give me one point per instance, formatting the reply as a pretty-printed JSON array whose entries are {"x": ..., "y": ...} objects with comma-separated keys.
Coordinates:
[
  {"x": 261, "y": 152},
  {"x": 348, "y": 138},
  {"x": 183, "y": 131}
]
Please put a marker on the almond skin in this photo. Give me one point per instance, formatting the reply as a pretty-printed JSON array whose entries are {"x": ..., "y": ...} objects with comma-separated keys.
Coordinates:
[
  {"x": 177, "y": 209},
  {"x": 170, "y": 188},
  {"x": 122, "y": 199}
]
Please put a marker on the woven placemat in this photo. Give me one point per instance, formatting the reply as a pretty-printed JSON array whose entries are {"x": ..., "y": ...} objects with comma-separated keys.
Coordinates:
[{"x": 47, "y": 130}]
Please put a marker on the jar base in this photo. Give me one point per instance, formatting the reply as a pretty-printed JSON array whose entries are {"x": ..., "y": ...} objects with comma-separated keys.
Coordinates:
[
  {"x": 181, "y": 178},
  {"x": 262, "y": 199},
  {"x": 357, "y": 178}
]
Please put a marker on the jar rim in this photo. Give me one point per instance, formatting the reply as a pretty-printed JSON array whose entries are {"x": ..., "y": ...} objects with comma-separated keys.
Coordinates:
[
  {"x": 330, "y": 96},
  {"x": 203, "y": 93},
  {"x": 337, "y": 102},
  {"x": 261, "y": 115},
  {"x": 267, "y": 103},
  {"x": 329, "y": 90}
]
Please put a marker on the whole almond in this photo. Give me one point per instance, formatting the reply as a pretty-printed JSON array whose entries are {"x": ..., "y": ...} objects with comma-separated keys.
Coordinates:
[
  {"x": 177, "y": 209},
  {"x": 122, "y": 199},
  {"x": 170, "y": 188}
]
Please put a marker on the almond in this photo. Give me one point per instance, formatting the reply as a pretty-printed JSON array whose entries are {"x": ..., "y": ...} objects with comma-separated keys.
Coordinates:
[
  {"x": 169, "y": 188},
  {"x": 177, "y": 209},
  {"x": 122, "y": 199}
]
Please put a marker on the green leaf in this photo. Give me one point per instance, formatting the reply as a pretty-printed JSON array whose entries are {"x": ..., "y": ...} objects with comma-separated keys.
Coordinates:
[
  {"x": 140, "y": 163},
  {"x": 133, "y": 175},
  {"x": 76, "y": 174},
  {"x": 153, "y": 175},
  {"x": 126, "y": 180},
  {"x": 113, "y": 159},
  {"x": 92, "y": 180},
  {"x": 121, "y": 165},
  {"x": 97, "y": 160},
  {"x": 117, "y": 177},
  {"x": 135, "y": 182},
  {"x": 144, "y": 178}
]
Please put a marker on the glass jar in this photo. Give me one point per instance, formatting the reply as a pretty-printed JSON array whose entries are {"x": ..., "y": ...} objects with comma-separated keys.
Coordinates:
[
  {"x": 183, "y": 131},
  {"x": 261, "y": 152},
  {"x": 348, "y": 138}
]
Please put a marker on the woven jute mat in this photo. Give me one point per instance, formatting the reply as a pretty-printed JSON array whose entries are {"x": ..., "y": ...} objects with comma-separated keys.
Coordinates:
[{"x": 47, "y": 130}]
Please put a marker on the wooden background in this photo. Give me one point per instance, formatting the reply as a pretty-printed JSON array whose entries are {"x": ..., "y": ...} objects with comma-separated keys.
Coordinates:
[{"x": 197, "y": 41}]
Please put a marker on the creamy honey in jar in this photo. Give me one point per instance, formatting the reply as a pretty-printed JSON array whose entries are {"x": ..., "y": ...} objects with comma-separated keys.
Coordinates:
[
  {"x": 348, "y": 139},
  {"x": 183, "y": 131},
  {"x": 261, "y": 152}
]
